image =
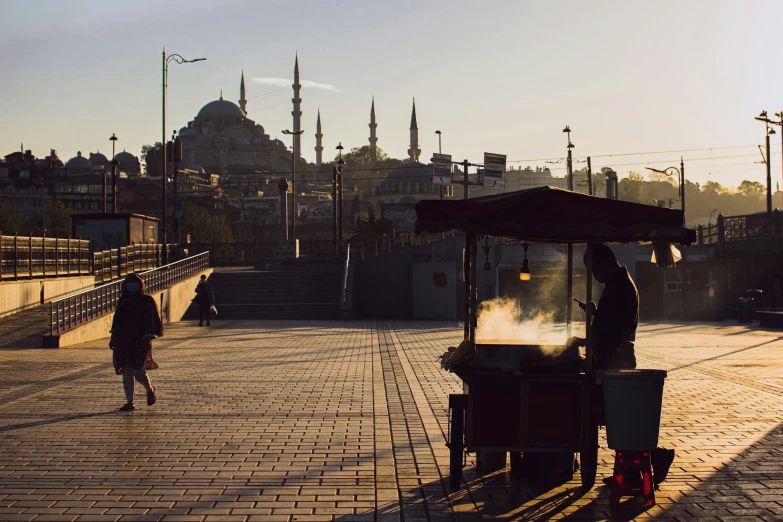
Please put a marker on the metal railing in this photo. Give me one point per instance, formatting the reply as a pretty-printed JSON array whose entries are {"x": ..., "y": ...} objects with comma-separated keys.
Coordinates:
[
  {"x": 750, "y": 227},
  {"x": 240, "y": 254},
  {"x": 28, "y": 257},
  {"x": 116, "y": 263},
  {"x": 77, "y": 309},
  {"x": 394, "y": 241}
]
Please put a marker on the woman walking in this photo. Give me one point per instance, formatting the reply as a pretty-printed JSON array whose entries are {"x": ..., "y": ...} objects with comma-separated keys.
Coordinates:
[
  {"x": 205, "y": 300},
  {"x": 136, "y": 323}
]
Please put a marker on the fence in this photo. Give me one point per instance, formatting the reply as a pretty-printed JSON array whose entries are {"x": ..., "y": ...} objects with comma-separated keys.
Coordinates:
[
  {"x": 116, "y": 263},
  {"x": 761, "y": 226},
  {"x": 74, "y": 310},
  {"x": 389, "y": 242},
  {"x": 27, "y": 257},
  {"x": 240, "y": 254}
]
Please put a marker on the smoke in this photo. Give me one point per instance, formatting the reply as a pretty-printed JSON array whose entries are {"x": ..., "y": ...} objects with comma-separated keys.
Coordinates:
[
  {"x": 285, "y": 82},
  {"x": 500, "y": 320}
]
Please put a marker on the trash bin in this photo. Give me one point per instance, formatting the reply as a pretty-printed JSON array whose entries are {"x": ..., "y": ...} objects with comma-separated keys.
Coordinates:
[
  {"x": 745, "y": 306},
  {"x": 632, "y": 406}
]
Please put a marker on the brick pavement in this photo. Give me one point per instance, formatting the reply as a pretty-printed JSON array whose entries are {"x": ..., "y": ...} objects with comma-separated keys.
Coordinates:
[{"x": 347, "y": 421}]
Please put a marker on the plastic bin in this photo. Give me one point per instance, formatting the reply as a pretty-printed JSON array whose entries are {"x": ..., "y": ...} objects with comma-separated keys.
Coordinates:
[{"x": 632, "y": 407}]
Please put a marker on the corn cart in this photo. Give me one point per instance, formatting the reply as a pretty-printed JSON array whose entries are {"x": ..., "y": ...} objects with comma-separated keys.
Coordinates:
[{"x": 515, "y": 400}]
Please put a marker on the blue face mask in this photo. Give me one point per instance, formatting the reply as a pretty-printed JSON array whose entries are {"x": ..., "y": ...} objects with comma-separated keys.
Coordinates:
[{"x": 132, "y": 287}]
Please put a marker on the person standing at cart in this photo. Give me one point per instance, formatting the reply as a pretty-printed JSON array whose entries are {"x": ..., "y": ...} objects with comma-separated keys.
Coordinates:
[
  {"x": 136, "y": 323},
  {"x": 615, "y": 320},
  {"x": 205, "y": 299}
]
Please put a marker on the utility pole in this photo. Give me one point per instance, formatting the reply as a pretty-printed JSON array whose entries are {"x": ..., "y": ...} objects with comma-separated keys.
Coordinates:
[
  {"x": 294, "y": 211},
  {"x": 465, "y": 181},
  {"x": 339, "y": 202},
  {"x": 334, "y": 209},
  {"x": 769, "y": 176},
  {"x": 682, "y": 188},
  {"x": 589, "y": 177}
]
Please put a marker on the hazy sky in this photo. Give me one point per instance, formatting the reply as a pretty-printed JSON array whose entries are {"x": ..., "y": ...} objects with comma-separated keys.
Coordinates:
[{"x": 495, "y": 76}]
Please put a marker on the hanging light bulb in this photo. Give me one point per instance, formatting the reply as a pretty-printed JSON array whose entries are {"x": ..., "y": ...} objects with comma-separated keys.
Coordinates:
[{"x": 524, "y": 272}]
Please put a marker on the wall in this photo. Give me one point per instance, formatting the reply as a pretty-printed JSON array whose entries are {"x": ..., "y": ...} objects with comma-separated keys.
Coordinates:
[
  {"x": 384, "y": 286},
  {"x": 16, "y": 296},
  {"x": 172, "y": 303}
]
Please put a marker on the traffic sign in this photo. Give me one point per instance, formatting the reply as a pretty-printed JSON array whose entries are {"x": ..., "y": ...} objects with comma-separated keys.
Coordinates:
[
  {"x": 441, "y": 169},
  {"x": 494, "y": 171}
]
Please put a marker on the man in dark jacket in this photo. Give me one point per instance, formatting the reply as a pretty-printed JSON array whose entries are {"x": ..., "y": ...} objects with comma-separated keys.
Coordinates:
[
  {"x": 615, "y": 320},
  {"x": 205, "y": 299},
  {"x": 617, "y": 315}
]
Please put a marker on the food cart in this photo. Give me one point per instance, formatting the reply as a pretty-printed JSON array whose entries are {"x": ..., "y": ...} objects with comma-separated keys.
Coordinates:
[{"x": 515, "y": 399}]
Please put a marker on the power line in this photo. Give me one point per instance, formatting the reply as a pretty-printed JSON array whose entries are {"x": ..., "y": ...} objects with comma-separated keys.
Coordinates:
[{"x": 642, "y": 153}]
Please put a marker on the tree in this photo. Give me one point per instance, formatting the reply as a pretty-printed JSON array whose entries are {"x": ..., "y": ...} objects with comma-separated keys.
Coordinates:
[
  {"x": 202, "y": 227},
  {"x": 57, "y": 218},
  {"x": 361, "y": 158},
  {"x": 630, "y": 188},
  {"x": 714, "y": 187},
  {"x": 10, "y": 222},
  {"x": 371, "y": 227},
  {"x": 152, "y": 157},
  {"x": 751, "y": 188}
]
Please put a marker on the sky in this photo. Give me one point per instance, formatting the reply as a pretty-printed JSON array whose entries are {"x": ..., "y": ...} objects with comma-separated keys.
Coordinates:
[{"x": 501, "y": 76}]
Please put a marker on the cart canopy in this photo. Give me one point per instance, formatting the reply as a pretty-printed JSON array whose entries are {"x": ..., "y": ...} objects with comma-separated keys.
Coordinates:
[{"x": 553, "y": 215}]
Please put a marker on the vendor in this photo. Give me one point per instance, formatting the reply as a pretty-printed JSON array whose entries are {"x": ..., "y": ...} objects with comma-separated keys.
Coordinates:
[
  {"x": 617, "y": 314},
  {"x": 614, "y": 332}
]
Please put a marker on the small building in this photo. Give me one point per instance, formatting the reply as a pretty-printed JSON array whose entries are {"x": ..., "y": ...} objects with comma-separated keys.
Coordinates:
[{"x": 112, "y": 230}]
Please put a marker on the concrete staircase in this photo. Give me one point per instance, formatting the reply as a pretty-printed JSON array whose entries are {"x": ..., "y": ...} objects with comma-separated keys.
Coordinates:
[{"x": 297, "y": 291}]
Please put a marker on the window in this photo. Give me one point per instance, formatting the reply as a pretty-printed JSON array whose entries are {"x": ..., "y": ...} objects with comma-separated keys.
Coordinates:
[{"x": 672, "y": 280}]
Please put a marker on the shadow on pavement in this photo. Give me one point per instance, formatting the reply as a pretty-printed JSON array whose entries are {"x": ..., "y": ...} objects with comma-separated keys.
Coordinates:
[{"x": 57, "y": 420}]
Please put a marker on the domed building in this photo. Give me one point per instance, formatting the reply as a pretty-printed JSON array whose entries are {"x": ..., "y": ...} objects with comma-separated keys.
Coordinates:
[
  {"x": 78, "y": 165},
  {"x": 408, "y": 183},
  {"x": 221, "y": 139},
  {"x": 128, "y": 164}
]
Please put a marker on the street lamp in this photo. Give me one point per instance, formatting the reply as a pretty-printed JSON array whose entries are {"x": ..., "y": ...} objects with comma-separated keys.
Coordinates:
[
  {"x": 524, "y": 272},
  {"x": 681, "y": 173},
  {"x": 293, "y": 181},
  {"x": 166, "y": 61},
  {"x": 339, "y": 192},
  {"x": 681, "y": 180},
  {"x": 569, "y": 164},
  {"x": 763, "y": 117},
  {"x": 709, "y": 221},
  {"x": 113, "y": 140}
]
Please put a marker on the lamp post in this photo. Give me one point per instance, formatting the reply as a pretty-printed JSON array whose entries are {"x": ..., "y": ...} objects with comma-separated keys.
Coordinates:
[
  {"x": 570, "y": 163},
  {"x": 681, "y": 175},
  {"x": 763, "y": 117},
  {"x": 113, "y": 140},
  {"x": 293, "y": 181},
  {"x": 339, "y": 202},
  {"x": 780, "y": 122},
  {"x": 440, "y": 151},
  {"x": 167, "y": 59}
]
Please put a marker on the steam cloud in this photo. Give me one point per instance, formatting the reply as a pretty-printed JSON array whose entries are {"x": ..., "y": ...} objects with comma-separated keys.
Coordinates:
[
  {"x": 502, "y": 321},
  {"x": 285, "y": 82}
]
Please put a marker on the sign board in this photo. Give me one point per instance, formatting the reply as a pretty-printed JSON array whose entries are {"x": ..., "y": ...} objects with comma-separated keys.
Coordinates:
[
  {"x": 402, "y": 215},
  {"x": 441, "y": 169},
  {"x": 494, "y": 171}
]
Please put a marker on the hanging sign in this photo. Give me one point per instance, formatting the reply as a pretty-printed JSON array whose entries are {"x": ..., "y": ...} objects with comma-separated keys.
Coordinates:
[
  {"x": 494, "y": 171},
  {"x": 441, "y": 169}
]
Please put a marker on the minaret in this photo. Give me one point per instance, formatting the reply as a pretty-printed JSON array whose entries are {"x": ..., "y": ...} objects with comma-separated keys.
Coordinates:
[
  {"x": 318, "y": 136},
  {"x": 414, "y": 152},
  {"x": 373, "y": 137},
  {"x": 297, "y": 112},
  {"x": 242, "y": 99}
]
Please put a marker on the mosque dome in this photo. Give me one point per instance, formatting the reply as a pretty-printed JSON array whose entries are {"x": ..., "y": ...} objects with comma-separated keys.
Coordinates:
[
  {"x": 79, "y": 162},
  {"x": 126, "y": 157},
  {"x": 186, "y": 132},
  {"x": 220, "y": 107},
  {"x": 98, "y": 158},
  {"x": 257, "y": 141},
  {"x": 241, "y": 142}
]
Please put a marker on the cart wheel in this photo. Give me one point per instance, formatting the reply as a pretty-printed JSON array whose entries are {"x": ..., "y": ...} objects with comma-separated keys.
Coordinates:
[
  {"x": 588, "y": 457},
  {"x": 458, "y": 404}
]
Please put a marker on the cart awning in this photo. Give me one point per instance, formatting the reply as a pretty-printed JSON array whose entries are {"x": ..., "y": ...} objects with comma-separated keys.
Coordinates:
[{"x": 553, "y": 215}]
